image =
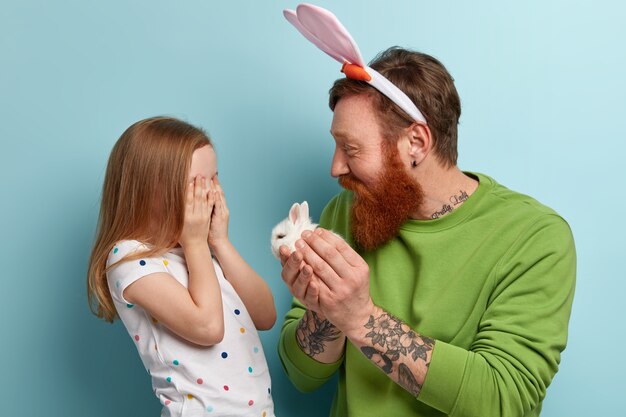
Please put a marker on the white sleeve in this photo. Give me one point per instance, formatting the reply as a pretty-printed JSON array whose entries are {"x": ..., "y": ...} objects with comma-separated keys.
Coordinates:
[{"x": 126, "y": 272}]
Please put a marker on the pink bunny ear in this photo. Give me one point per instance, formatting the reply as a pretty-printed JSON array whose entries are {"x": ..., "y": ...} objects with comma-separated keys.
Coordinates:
[
  {"x": 329, "y": 30},
  {"x": 292, "y": 18},
  {"x": 294, "y": 213},
  {"x": 324, "y": 30}
]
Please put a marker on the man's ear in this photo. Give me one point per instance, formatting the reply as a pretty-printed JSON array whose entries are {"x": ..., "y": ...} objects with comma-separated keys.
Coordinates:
[{"x": 420, "y": 142}]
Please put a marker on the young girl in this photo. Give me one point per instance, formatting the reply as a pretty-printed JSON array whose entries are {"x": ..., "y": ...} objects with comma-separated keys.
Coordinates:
[{"x": 163, "y": 263}]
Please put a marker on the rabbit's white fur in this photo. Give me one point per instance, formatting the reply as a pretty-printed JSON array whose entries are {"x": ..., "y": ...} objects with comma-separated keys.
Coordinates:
[{"x": 289, "y": 230}]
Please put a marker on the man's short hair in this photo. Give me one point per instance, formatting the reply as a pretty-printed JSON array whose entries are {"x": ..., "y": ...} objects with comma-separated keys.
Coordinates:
[{"x": 426, "y": 82}]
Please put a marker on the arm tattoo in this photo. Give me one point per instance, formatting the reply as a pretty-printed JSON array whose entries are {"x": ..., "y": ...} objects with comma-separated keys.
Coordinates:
[
  {"x": 370, "y": 352},
  {"x": 407, "y": 380},
  {"x": 313, "y": 333},
  {"x": 396, "y": 340}
]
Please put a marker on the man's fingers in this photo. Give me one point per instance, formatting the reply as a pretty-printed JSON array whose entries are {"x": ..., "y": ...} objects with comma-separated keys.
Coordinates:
[
  {"x": 283, "y": 253},
  {"x": 350, "y": 255},
  {"x": 291, "y": 268},
  {"x": 311, "y": 297},
  {"x": 300, "y": 284},
  {"x": 320, "y": 266}
]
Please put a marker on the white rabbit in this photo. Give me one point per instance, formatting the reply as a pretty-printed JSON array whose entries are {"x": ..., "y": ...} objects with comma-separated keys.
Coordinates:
[{"x": 290, "y": 229}]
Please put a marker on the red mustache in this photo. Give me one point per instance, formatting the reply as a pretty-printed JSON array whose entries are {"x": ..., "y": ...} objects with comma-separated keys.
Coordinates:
[
  {"x": 351, "y": 183},
  {"x": 378, "y": 210}
]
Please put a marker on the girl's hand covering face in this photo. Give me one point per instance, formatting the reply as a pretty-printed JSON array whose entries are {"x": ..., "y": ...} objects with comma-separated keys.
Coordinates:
[
  {"x": 199, "y": 206},
  {"x": 218, "y": 234}
]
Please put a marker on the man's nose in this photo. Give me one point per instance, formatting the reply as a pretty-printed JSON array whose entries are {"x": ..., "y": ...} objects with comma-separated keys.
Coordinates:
[{"x": 340, "y": 164}]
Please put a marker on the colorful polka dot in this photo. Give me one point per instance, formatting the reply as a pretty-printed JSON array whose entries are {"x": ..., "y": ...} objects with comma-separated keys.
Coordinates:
[
  {"x": 256, "y": 349},
  {"x": 250, "y": 403},
  {"x": 189, "y": 396},
  {"x": 165, "y": 262},
  {"x": 237, "y": 312},
  {"x": 242, "y": 330},
  {"x": 130, "y": 305},
  {"x": 168, "y": 379},
  {"x": 224, "y": 355},
  {"x": 226, "y": 388},
  {"x": 175, "y": 362},
  {"x": 249, "y": 369},
  {"x": 209, "y": 409},
  {"x": 118, "y": 283},
  {"x": 142, "y": 263},
  {"x": 137, "y": 337},
  {"x": 269, "y": 390},
  {"x": 115, "y": 250},
  {"x": 167, "y": 402},
  {"x": 199, "y": 381}
]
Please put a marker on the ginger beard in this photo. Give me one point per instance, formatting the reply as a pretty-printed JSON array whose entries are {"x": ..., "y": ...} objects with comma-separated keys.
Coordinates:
[{"x": 379, "y": 210}]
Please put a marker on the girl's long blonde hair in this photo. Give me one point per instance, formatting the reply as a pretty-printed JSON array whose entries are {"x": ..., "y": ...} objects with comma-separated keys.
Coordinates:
[{"x": 145, "y": 182}]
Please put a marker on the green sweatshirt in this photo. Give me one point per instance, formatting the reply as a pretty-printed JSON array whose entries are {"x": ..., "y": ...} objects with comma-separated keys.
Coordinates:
[{"x": 492, "y": 282}]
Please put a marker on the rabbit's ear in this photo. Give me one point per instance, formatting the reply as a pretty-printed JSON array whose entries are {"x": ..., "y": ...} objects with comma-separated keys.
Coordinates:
[
  {"x": 304, "y": 210},
  {"x": 294, "y": 212}
]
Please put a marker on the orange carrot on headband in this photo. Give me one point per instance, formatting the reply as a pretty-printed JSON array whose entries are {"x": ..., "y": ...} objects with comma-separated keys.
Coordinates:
[{"x": 355, "y": 72}]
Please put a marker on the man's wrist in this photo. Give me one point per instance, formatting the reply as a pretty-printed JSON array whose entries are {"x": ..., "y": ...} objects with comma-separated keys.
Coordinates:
[
  {"x": 357, "y": 326},
  {"x": 318, "y": 338}
]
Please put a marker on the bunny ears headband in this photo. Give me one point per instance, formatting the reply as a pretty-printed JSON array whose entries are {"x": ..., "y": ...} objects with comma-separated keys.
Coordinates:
[{"x": 324, "y": 30}]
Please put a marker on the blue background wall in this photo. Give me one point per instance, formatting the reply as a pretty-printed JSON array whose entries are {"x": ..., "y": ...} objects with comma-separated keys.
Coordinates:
[{"x": 543, "y": 91}]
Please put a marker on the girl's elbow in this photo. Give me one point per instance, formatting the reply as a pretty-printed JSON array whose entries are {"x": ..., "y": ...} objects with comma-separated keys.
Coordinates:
[
  {"x": 211, "y": 333},
  {"x": 267, "y": 321}
]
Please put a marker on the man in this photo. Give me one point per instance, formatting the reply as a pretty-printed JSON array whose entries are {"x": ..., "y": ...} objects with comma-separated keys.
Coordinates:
[{"x": 451, "y": 294}]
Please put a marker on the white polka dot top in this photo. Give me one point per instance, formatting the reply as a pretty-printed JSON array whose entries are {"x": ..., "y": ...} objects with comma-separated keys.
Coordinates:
[{"x": 227, "y": 379}]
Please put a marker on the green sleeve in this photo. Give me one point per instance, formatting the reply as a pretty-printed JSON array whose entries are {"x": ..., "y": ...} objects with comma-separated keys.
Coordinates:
[
  {"x": 305, "y": 373},
  {"x": 521, "y": 335}
]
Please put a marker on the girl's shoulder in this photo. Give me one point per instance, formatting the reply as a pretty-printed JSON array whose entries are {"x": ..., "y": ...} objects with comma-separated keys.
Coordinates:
[
  {"x": 125, "y": 248},
  {"x": 131, "y": 245},
  {"x": 129, "y": 260}
]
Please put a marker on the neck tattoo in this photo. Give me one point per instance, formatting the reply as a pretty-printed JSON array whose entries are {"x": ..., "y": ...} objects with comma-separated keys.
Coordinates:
[{"x": 455, "y": 201}]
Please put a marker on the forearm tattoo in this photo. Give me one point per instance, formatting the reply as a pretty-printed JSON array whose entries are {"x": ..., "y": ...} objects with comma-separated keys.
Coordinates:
[
  {"x": 396, "y": 341},
  {"x": 313, "y": 333}
]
